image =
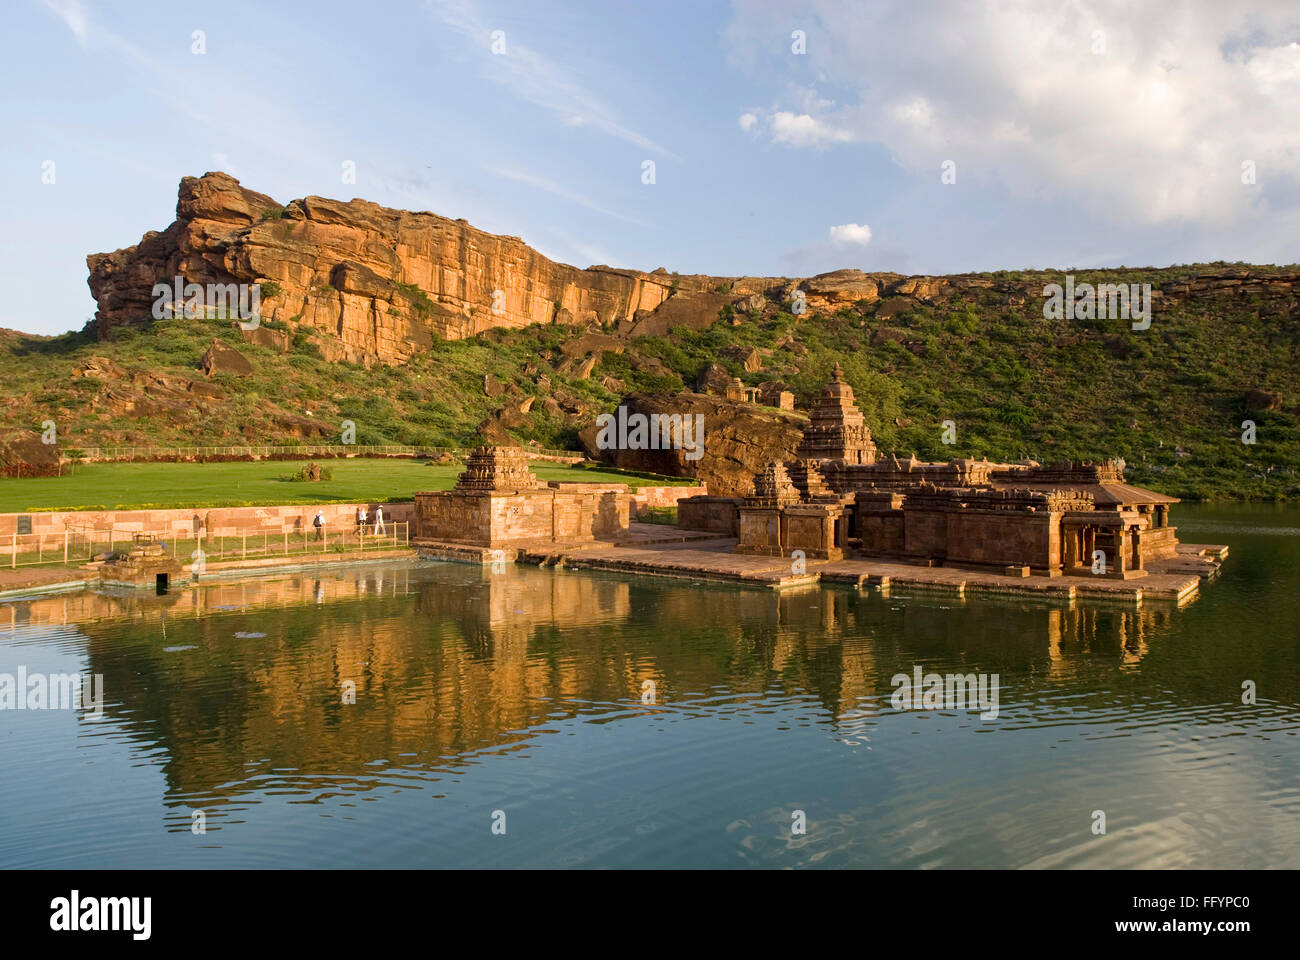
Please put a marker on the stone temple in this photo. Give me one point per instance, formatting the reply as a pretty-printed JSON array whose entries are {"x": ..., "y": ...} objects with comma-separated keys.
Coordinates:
[
  {"x": 498, "y": 503},
  {"x": 837, "y": 499}
]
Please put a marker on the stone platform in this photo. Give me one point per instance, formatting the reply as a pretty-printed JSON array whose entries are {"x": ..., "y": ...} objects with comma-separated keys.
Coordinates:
[
  {"x": 546, "y": 552},
  {"x": 710, "y": 557},
  {"x": 28, "y": 580}
]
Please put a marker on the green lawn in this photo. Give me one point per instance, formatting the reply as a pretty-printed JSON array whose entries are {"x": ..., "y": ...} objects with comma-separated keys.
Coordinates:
[{"x": 121, "y": 486}]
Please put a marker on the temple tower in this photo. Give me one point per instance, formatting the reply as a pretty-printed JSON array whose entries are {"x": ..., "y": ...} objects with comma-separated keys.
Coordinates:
[
  {"x": 836, "y": 430},
  {"x": 772, "y": 488},
  {"x": 497, "y": 468}
]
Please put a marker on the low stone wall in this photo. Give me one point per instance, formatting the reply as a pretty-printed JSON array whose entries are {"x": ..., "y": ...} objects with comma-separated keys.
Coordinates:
[
  {"x": 647, "y": 497},
  {"x": 229, "y": 521},
  {"x": 715, "y": 514},
  {"x": 233, "y": 521}
]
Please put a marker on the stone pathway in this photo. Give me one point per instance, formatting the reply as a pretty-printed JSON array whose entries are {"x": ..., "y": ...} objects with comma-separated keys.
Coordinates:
[{"x": 713, "y": 560}]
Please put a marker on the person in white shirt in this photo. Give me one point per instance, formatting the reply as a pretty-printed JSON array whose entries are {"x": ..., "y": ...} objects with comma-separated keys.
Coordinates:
[
  {"x": 379, "y": 521},
  {"x": 361, "y": 522}
]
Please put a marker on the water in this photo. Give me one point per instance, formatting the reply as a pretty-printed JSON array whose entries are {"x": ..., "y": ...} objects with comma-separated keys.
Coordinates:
[{"x": 520, "y": 692}]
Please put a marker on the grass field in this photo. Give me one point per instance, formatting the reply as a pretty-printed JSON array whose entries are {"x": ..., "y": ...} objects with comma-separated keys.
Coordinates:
[{"x": 124, "y": 486}]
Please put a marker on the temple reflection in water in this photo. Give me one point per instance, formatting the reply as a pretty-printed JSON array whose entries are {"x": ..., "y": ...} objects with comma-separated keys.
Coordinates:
[{"x": 234, "y": 680}]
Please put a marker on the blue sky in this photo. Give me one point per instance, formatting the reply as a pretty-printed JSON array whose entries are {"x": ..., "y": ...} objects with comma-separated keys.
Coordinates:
[{"x": 1082, "y": 134}]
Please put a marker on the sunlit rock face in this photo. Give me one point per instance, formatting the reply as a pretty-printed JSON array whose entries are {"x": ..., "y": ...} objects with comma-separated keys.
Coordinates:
[
  {"x": 377, "y": 284},
  {"x": 373, "y": 284}
]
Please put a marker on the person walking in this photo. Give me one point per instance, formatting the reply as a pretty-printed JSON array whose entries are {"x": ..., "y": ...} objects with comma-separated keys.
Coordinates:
[
  {"x": 379, "y": 521},
  {"x": 318, "y": 522},
  {"x": 361, "y": 521}
]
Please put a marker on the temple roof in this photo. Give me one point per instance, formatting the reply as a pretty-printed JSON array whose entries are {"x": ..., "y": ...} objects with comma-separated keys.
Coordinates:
[{"x": 1104, "y": 494}]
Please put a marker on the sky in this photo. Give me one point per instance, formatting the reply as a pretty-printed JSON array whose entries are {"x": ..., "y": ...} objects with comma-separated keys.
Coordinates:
[{"x": 750, "y": 138}]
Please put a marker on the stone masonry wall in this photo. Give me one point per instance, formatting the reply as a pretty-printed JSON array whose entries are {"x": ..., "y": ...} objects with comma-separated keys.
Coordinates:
[
  {"x": 713, "y": 514},
  {"x": 229, "y": 521}
]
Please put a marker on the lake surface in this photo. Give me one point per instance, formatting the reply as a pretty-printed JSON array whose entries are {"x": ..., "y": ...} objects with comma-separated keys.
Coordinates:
[{"x": 513, "y": 698}]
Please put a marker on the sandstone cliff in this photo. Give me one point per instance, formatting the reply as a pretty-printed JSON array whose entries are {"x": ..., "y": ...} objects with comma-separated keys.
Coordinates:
[
  {"x": 375, "y": 285},
  {"x": 371, "y": 284}
]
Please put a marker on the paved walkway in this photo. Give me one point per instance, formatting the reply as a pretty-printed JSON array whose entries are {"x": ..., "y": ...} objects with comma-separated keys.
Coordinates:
[{"x": 1176, "y": 581}]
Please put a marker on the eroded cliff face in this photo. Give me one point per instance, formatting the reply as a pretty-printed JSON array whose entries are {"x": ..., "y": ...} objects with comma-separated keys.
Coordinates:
[{"x": 375, "y": 284}]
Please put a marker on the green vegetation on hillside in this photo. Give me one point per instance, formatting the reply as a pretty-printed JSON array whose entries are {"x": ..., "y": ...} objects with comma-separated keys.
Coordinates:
[{"x": 1169, "y": 400}]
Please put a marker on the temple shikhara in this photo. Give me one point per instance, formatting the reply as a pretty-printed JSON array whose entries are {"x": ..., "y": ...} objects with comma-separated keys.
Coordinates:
[{"x": 836, "y": 498}]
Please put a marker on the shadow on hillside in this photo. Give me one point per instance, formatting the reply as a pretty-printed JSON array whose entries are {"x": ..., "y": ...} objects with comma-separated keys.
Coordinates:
[{"x": 21, "y": 344}]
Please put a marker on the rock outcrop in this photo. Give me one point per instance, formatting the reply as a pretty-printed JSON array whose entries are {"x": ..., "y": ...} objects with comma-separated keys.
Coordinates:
[
  {"x": 220, "y": 358},
  {"x": 372, "y": 283},
  {"x": 739, "y": 439},
  {"x": 23, "y": 454}
]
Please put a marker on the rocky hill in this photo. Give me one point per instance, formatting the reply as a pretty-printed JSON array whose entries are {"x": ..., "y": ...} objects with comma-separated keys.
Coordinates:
[
  {"x": 384, "y": 318},
  {"x": 374, "y": 284},
  {"x": 377, "y": 285}
]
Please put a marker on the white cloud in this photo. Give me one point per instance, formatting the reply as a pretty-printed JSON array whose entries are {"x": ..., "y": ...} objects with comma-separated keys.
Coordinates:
[
  {"x": 803, "y": 130},
  {"x": 537, "y": 79},
  {"x": 73, "y": 14},
  {"x": 747, "y": 122},
  {"x": 850, "y": 234},
  {"x": 1153, "y": 130}
]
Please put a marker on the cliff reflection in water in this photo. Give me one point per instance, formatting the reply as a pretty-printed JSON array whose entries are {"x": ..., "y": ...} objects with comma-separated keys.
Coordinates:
[{"x": 231, "y": 681}]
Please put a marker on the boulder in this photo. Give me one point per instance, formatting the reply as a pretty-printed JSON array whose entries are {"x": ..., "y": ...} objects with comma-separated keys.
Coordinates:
[
  {"x": 893, "y": 307},
  {"x": 925, "y": 289},
  {"x": 495, "y": 430},
  {"x": 1260, "y": 400},
  {"x": 591, "y": 342},
  {"x": 739, "y": 440},
  {"x": 201, "y": 388},
  {"x": 747, "y": 356},
  {"x": 100, "y": 368},
  {"x": 651, "y": 365},
  {"x": 840, "y": 287},
  {"x": 886, "y": 334},
  {"x": 265, "y": 337},
  {"x": 292, "y": 425},
  {"x": 714, "y": 379},
  {"x": 24, "y": 454},
  {"x": 220, "y": 358},
  {"x": 696, "y": 312},
  {"x": 1121, "y": 348}
]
